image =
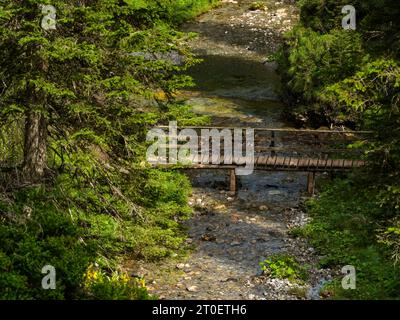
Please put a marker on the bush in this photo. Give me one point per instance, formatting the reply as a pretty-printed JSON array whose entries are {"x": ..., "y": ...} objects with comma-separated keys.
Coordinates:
[
  {"x": 312, "y": 61},
  {"x": 284, "y": 266},
  {"x": 100, "y": 286},
  {"x": 346, "y": 222}
]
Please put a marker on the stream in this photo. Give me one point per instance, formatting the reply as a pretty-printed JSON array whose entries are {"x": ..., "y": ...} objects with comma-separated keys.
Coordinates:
[{"x": 232, "y": 234}]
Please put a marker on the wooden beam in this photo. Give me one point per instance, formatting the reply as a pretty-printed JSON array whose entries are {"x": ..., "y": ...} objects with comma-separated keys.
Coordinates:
[
  {"x": 272, "y": 145},
  {"x": 233, "y": 182},
  {"x": 311, "y": 183},
  {"x": 289, "y": 130}
]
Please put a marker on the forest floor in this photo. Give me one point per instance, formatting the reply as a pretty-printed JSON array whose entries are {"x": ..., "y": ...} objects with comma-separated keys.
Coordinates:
[{"x": 231, "y": 234}]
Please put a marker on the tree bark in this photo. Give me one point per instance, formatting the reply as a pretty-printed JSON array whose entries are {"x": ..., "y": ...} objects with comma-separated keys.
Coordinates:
[{"x": 35, "y": 147}]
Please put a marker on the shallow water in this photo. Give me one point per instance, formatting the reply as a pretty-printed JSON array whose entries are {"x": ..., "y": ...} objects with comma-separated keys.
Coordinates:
[
  {"x": 232, "y": 234},
  {"x": 236, "y": 88}
]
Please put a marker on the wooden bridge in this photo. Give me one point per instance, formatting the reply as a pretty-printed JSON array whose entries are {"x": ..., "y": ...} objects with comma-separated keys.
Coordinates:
[{"x": 272, "y": 149}]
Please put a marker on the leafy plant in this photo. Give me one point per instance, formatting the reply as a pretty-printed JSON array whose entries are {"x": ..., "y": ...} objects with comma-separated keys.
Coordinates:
[
  {"x": 284, "y": 266},
  {"x": 258, "y": 5}
]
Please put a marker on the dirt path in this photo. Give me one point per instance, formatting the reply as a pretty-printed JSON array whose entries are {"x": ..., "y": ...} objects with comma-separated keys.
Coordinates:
[{"x": 232, "y": 234}]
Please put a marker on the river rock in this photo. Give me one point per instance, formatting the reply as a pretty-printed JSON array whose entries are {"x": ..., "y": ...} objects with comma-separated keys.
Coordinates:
[
  {"x": 192, "y": 288},
  {"x": 180, "y": 266},
  {"x": 274, "y": 192}
]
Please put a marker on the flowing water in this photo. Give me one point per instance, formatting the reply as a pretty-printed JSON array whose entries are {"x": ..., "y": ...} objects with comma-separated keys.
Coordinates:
[
  {"x": 237, "y": 88},
  {"x": 232, "y": 234}
]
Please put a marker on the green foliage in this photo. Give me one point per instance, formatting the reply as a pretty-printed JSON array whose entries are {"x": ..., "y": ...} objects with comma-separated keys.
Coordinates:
[
  {"x": 34, "y": 233},
  {"x": 182, "y": 10},
  {"x": 318, "y": 53},
  {"x": 311, "y": 62},
  {"x": 345, "y": 230},
  {"x": 376, "y": 20},
  {"x": 118, "y": 286},
  {"x": 352, "y": 78},
  {"x": 284, "y": 266},
  {"x": 321, "y": 59},
  {"x": 258, "y": 5},
  {"x": 70, "y": 225},
  {"x": 390, "y": 237},
  {"x": 100, "y": 80}
]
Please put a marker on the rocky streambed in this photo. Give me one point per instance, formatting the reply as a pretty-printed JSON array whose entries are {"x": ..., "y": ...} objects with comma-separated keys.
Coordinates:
[{"x": 232, "y": 234}]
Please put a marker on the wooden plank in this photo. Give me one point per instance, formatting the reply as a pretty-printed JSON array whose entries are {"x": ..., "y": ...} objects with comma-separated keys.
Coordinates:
[
  {"x": 286, "y": 161},
  {"x": 302, "y": 163},
  {"x": 348, "y": 163},
  {"x": 336, "y": 163},
  {"x": 280, "y": 161},
  {"x": 264, "y": 160},
  {"x": 277, "y": 163}
]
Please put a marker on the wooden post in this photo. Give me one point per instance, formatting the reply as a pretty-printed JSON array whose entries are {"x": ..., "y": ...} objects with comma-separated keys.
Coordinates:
[
  {"x": 311, "y": 183},
  {"x": 272, "y": 145},
  {"x": 233, "y": 184}
]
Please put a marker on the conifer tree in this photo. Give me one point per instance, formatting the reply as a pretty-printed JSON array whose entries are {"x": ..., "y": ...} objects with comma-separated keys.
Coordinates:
[{"x": 68, "y": 68}]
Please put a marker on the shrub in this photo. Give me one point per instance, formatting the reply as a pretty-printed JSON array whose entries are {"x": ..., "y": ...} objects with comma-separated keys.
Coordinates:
[{"x": 284, "y": 266}]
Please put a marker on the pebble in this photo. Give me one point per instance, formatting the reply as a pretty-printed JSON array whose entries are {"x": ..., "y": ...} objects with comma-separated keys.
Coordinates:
[
  {"x": 180, "y": 266},
  {"x": 220, "y": 207},
  {"x": 274, "y": 192},
  {"x": 192, "y": 289}
]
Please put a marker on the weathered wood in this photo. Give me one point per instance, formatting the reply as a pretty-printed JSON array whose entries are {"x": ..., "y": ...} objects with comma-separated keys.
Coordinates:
[
  {"x": 276, "y": 130},
  {"x": 272, "y": 145},
  {"x": 278, "y": 163},
  {"x": 233, "y": 182},
  {"x": 294, "y": 151},
  {"x": 311, "y": 183}
]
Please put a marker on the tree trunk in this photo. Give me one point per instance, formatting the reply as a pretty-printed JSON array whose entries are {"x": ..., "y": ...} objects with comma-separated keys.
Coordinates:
[{"x": 35, "y": 147}]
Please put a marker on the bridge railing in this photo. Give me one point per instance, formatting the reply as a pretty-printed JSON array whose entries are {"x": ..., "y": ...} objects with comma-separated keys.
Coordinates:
[{"x": 276, "y": 142}]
